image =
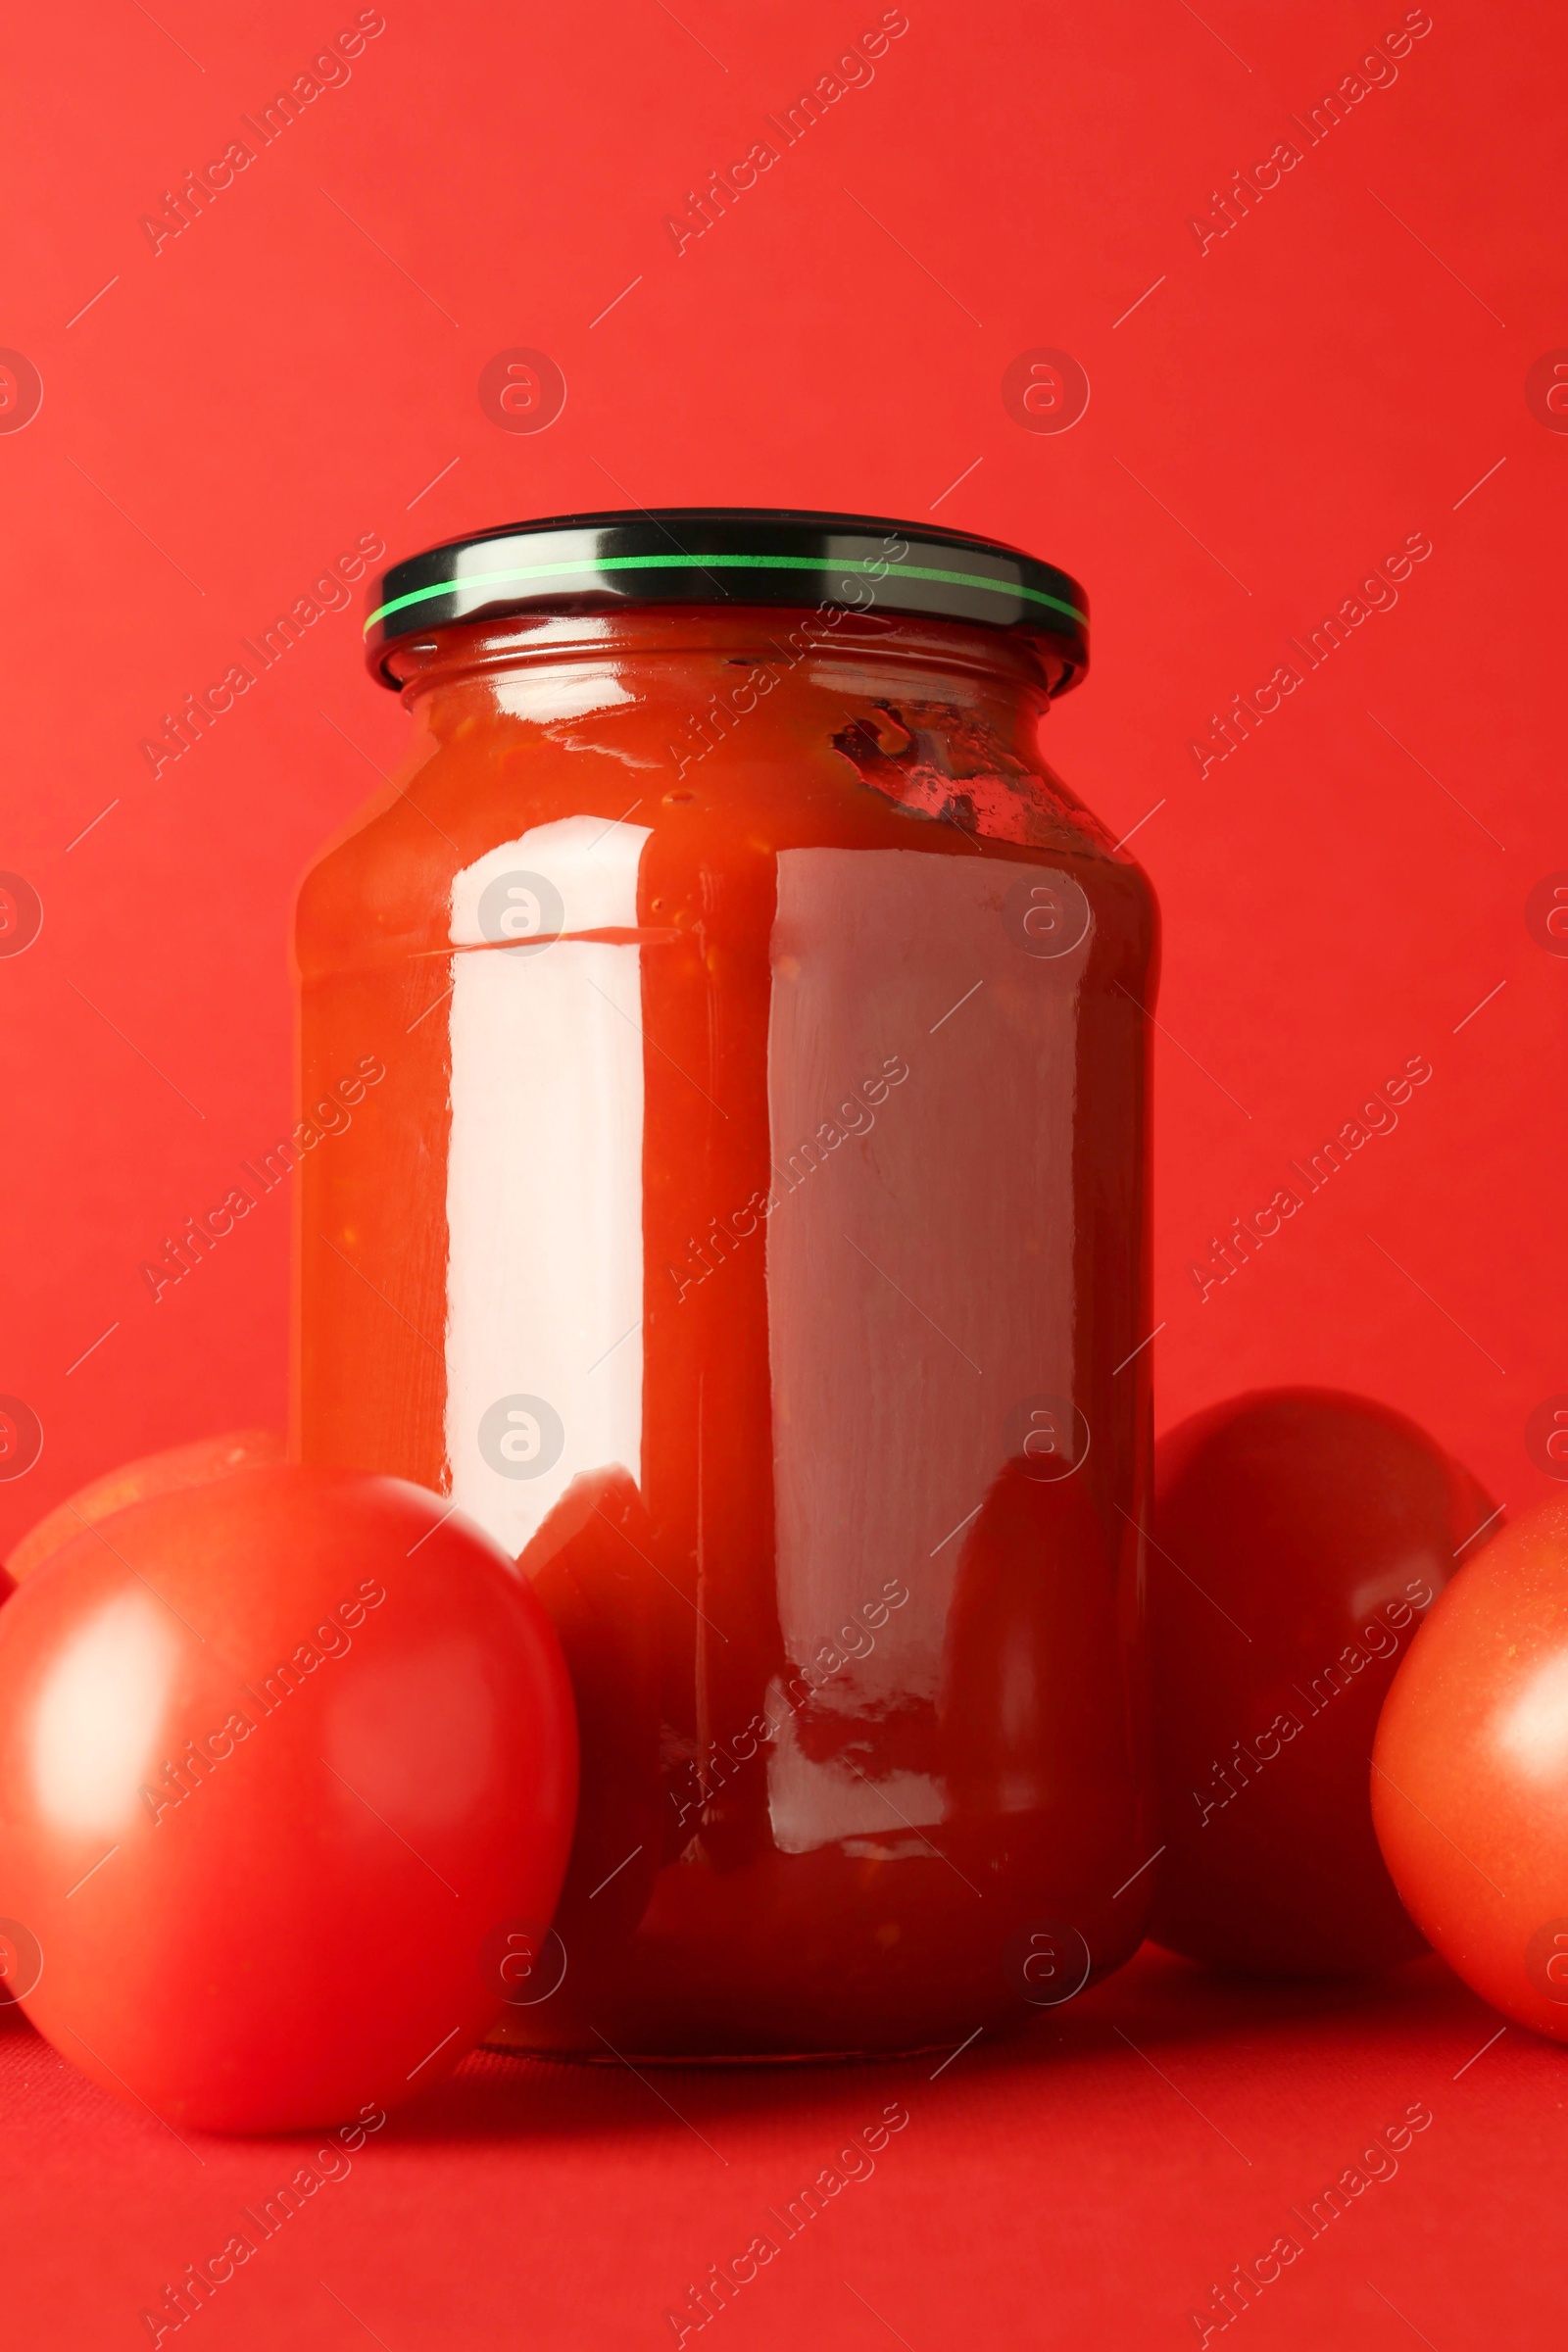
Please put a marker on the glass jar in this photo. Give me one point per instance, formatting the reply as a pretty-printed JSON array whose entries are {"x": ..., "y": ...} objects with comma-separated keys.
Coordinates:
[{"x": 725, "y": 1124}]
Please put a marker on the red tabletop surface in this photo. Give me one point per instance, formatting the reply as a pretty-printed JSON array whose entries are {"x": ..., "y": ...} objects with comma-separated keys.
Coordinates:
[
  {"x": 1088, "y": 2183},
  {"x": 1280, "y": 395}
]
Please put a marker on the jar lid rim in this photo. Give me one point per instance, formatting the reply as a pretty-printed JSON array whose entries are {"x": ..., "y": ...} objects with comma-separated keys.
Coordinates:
[{"x": 730, "y": 556}]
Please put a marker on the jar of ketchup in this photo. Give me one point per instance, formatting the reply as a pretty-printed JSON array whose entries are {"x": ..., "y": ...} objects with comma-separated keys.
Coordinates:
[{"x": 747, "y": 1226}]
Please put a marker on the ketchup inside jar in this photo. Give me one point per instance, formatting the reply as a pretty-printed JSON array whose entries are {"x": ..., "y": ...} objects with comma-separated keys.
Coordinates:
[{"x": 747, "y": 1226}]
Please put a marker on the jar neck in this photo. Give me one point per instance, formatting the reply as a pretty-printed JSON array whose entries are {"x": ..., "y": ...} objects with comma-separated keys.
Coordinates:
[{"x": 1008, "y": 679}]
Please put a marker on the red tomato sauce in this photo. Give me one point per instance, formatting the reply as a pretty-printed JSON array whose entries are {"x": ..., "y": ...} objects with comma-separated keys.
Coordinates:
[{"x": 750, "y": 1232}]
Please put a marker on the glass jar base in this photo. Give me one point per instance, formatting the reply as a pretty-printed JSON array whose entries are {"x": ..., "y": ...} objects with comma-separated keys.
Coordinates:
[{"x": 721, "y": 2058}]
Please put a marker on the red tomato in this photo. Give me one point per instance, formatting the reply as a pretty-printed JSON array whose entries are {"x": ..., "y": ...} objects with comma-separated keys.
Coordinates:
[
  {"x": 1470, "y": 1774},
  {"x": 1299, "y": 1537},
  {"x": 588, "y": 1566},
  {"x": 152, "y": 1474},
  {"x": 287, "y": 1763},
  {"x": 1033, "y": 1749}
]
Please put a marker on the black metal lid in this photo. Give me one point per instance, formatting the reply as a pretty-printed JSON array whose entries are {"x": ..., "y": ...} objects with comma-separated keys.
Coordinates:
[{"x": 730, "y": 556}]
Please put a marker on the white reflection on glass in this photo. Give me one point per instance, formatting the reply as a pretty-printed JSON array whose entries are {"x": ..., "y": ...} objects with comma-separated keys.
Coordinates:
[{"x": 544, "y": 1172}]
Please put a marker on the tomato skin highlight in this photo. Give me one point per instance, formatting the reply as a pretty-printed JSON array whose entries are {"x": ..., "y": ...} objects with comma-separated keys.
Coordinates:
[
  {"x": 1298, "y": 1537},
  {"x": 150, "y": 1474},
  {"x": 1470, "y": 1774},
  {"x": 282, "y": 1757}
]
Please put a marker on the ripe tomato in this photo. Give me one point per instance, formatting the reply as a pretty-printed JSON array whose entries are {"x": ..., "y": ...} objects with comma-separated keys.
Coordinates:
[
  {"x": 1470, "y": 1774},
  {"x": 287, "y": 1762},
  {"x": 152, "y": 1474},
  {"x": 588, "y": 1565},
  {"x": 1299, "y": 1537}
]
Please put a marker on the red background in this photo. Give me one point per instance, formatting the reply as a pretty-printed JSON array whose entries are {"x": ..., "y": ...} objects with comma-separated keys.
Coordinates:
[{"x": 1340, "y": 370}]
